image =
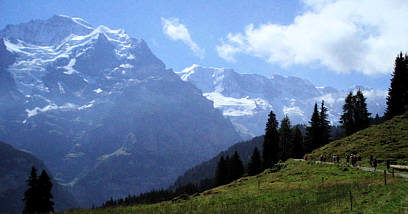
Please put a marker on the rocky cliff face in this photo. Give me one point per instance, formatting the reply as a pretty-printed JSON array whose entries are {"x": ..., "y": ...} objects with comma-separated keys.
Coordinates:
[{"x": 101, "y": 110}]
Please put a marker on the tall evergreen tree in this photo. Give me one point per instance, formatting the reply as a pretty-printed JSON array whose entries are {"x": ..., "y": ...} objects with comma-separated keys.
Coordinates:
[
  {"x": 347, "y": 118},
  {"x": 324, "y": 126},
  {"x": 397, "y": 99},
  {"x": 228, "y": 163},
  {"x": 271, "y": 142},
  {"x": 297, "y": 149},
  {"x": 221, "y": 172},
  {"x": 255, "y": 164},
  {"x": 355, "y": 115},
  {"x": 31, "y": 194},
  {"x": 285, "y": 140},
  {"x": 313, "y": 131},
  {"x": 45, "y": 196},
  {"x": 237, "y": 168},
  {"x": 362, "y": 117}
]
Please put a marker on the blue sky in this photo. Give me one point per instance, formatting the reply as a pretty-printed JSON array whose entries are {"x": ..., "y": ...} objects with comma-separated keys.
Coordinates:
[{"x": 331, "y": 43}]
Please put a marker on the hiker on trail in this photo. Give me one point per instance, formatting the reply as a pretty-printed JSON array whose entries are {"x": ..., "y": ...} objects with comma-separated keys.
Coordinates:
[
  {"x": 353, "y": 160},
  {"x": 338, "y": 159},
  {"x": 348, "y": 158},
  {"x": 388, "y": 165},
  {"x": 371, "y": 160},
  {"x": 375, "y": 164}
]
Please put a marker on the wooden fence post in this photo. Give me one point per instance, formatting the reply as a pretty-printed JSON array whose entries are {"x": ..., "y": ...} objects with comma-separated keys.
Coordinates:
[
  {"x": 385, "y": 177},
  {"x": 259, "y": 184}
]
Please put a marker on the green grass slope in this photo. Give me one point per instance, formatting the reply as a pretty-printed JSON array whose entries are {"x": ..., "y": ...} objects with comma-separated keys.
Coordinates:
[
  {"x": 387, "y": 141},
  {"x": 299, "y": 187},
  {"x": 307, "y": 186}
]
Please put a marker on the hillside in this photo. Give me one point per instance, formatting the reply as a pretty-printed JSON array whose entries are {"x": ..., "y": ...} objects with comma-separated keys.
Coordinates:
[
  {"x": 387, "y": 141},
  {"x": 206, "y": 170},
  {"x": 15, "y": 167},
  {"x": 299, "y": 187},
  {"x": 307, "y": 186}
]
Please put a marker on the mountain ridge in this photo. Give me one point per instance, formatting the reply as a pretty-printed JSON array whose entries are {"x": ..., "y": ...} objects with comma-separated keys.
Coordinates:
[
  {"x": 101, "y": 99},
  {"x": 246, "y": 99}
]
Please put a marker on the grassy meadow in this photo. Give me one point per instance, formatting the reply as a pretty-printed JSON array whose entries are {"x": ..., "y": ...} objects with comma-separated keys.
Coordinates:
[{"x": 299, "y": 187}]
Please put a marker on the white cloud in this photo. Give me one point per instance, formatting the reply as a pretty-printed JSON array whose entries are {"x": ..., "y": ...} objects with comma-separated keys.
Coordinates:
[
  {"x": 343, "y": 35},
  {"x": 176, "y": 31}
]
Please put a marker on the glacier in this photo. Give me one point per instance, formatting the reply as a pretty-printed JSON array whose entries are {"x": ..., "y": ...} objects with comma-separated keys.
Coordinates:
[{"x": 246, "y": 99}]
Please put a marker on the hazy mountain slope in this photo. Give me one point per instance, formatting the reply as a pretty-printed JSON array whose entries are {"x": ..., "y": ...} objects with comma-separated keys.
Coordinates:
[
  {"x": 246, "y": 99},
  {"x": 15, "y": 167},
  {"x": 207, "y": 169},
  {"x": 91, "y": 99}
]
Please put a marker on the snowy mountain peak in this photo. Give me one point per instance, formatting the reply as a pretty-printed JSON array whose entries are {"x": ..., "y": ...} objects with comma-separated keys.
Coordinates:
[
  {"x": 246, "y": 99},
  {"x": 47, "y": 32}
]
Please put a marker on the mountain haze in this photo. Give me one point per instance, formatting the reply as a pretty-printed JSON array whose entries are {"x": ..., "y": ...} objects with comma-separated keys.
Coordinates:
[
  {"x": 101, "y": 110},
  {"x": 15, "y": 168}
]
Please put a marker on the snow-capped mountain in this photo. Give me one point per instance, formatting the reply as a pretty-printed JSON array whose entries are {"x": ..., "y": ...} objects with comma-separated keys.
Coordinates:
[
  {"x": 246, "y": 99},
  {"x": 101, "y": 110}
]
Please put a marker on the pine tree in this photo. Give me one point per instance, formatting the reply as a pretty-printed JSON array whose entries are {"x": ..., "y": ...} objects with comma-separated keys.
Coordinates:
[
  {"x": 362, "y": 117},
  {"x": 347, "y": 118},
  {"x": 297, "y": 149},
  {"x": 285, "y": 140},
  {"x": 31, "y": 194},
  {"x": 271, "y": 142},
  {"x": 313, "y": 131},
  {"x": 355, "y": 115},
  {"x": 237, "y": 168},
  {"x": 324, "y": 125},
  {"x": 255, "y": 164},
  {"x": 397, "y": 99},
  {"x": 228, "y": 174},
  {"x": 45, "y": 196},
  {"x": 221, "y": 172}
]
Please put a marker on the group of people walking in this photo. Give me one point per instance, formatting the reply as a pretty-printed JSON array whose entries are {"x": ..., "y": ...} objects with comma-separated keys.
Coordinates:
[{"x": 352, "y": 158}]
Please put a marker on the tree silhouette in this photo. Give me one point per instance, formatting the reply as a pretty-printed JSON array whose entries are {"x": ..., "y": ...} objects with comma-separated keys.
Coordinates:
[
  {"x": 221, "y": 172},
  {"x": 38, "y": 196},
  {"x": 297, "y": 149},
  {"x": 312, "y": 131},
  {"x": 285, "y": 140},
  {"x": 362, "y": 117},
  {"x": 45, "y": 186},
  {"x": 271, "y": 142},
  {"x": 255, "y": 164},
  {"x": 324, "y": 125},
  {"x": 355, "y": 115},
  {"x": 31, "y": 194},
  {"x": 237, "y": 168},
  {"x": 347, "y": 118},
  {"x": 397, "y": 99}
]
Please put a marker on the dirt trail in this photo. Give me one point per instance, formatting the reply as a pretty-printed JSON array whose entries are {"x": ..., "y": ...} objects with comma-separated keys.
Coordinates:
[{"x": 369, "y": 169}]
